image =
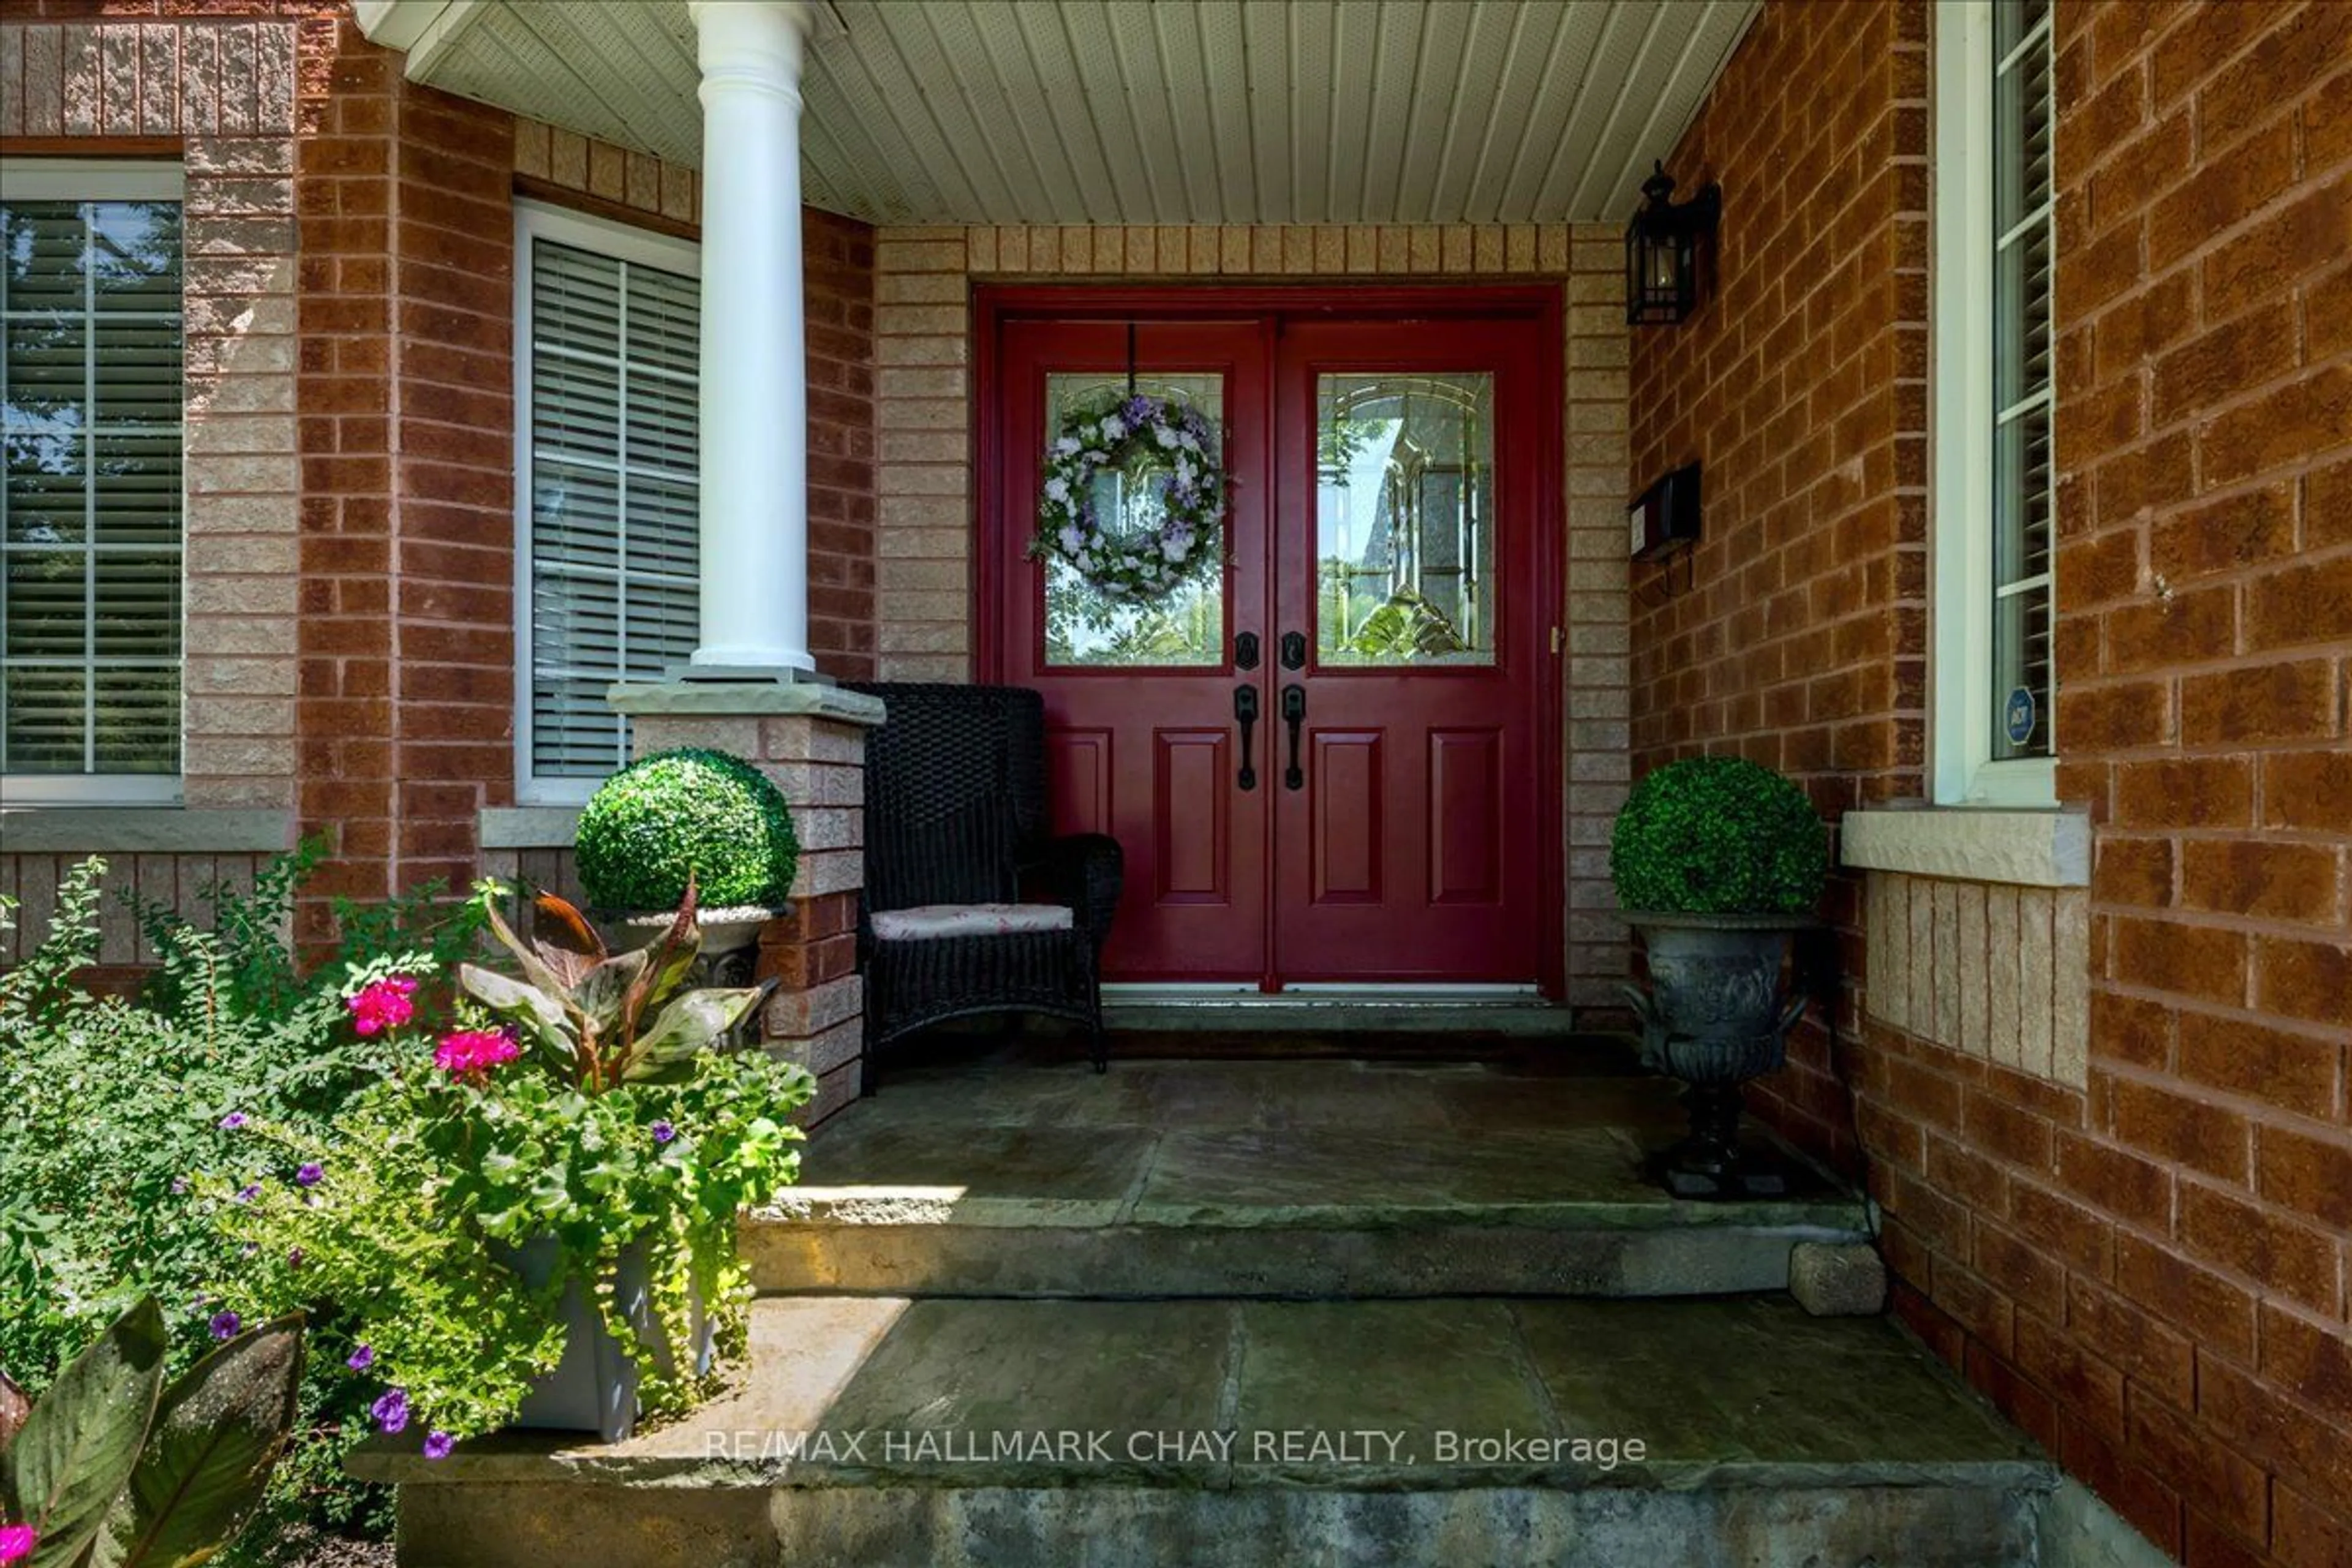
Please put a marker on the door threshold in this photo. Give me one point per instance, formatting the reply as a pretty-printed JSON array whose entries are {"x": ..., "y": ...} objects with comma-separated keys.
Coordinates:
[
  {"x": 1240, "y": 993},
  {"x": 1336, "y": 1009}
]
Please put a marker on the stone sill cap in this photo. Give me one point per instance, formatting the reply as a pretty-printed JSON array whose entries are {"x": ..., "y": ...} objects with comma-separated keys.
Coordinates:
[
  {"x": 1972, "y": 844},
  {"x": 528, "y": 827},
  {"x": 144, "y": 831},
  {"x": 761, "y": 699}
]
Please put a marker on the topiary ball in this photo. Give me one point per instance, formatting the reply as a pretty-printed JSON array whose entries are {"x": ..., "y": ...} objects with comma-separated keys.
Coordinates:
[
  {"x": 686, "y": 810},
  {"x": 1719, "y": 835}
]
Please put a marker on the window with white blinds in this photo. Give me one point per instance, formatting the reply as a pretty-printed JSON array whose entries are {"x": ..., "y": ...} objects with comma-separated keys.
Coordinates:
[
  {"x": 1994, "y": 395},
  {"x": 608, "y": 454},
  {"x": 2021, "y": 497},
  {"x": 91, "y": 373}
]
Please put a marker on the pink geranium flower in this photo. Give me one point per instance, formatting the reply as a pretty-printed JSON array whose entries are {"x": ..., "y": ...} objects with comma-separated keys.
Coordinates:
[
  {"x": 470, "y": 1054},
  {"x": 383, "y": 1004},
  {"x": 17, "y": 1542}
]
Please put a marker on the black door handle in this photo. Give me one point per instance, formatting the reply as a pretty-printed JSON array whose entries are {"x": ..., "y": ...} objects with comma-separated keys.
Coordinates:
[
  {"x": 1294, "y": 713},
  {"x": 1246, "y": 709}
]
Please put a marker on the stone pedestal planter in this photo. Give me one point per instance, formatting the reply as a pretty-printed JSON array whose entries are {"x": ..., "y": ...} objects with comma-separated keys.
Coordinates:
[
  {"x": 1715, "y": 1016},
  {"x": 731, "y": 937}
]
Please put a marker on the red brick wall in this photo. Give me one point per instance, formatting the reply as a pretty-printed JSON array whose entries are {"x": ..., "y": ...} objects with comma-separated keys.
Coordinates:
[
  {"x": 343, "y": 195},
  {"x": 2205, "y": 596},
  {"x": 2149, "y": 1276},
  {"x": 837, "y": 256},
  {"x": 407, "y": 645},
  {"x": 1797, "y": 637}
]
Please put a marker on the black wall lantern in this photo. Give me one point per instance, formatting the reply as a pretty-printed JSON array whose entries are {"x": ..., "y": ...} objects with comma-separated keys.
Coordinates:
[{"x": 1662, "y": 250}]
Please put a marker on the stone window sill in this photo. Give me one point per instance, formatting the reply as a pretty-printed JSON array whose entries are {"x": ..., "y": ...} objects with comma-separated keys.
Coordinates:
[
  {"x": 144, "y": 831},
  {"x": 528, "y": 827},
  {"x": 1972, "y": 844}
]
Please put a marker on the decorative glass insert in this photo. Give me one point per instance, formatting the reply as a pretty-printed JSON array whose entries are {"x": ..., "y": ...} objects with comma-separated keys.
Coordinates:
[
  {"x": 90, "y": 534},
  {"x": 1405, "y": 494},
  {"x": 2022, "y": 391},
  {"x": 613, "y": 486},
  {"x": 1086, "y": 628}
]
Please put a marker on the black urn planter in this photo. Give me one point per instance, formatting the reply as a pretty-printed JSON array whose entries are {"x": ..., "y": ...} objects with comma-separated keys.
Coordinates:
[{"x": 1716, "y": 1014}]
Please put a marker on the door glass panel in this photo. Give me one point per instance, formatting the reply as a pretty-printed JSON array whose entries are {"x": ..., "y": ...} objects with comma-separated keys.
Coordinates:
[
  {"x": 1087, "y": 629},
  {"x": 1404, "y": 493}
]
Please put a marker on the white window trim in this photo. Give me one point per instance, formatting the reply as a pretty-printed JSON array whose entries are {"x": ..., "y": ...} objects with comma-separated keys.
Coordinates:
[
  {"x": 533, "y": 221},
  {"x": 107, "y": 180},
  {"x": 1962, "y": 771}
]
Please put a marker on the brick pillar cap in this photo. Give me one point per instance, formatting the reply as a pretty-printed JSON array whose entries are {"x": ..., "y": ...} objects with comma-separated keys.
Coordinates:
[{"x": 760, "y": 699}]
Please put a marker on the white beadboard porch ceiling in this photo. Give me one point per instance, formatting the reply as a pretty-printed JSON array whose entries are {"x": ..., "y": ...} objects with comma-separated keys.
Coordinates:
[{"x": 1142, "y": 112}]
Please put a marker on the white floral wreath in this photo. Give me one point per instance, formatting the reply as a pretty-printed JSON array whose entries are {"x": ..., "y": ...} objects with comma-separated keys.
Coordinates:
[{"x": 1145, "y": 565}]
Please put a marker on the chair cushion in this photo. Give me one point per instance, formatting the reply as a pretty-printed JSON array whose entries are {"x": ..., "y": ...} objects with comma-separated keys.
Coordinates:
[{"x": 931, "y": 921}]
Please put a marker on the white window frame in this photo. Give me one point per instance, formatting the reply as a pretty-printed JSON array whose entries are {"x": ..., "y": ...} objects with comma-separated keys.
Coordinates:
[
  {"x": 111, "y": 180},
  {"x": 562, "y": 225},
  {"x": 1962, "y": 769}
]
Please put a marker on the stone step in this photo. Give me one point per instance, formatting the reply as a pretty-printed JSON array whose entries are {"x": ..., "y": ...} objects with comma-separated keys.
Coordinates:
[
  {"x": 1302, "y": 1179},
  {"x": 1578, "y": 1433}
]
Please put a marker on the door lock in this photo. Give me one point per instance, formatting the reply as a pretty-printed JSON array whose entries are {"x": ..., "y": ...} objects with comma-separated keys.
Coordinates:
[
  {"x": 1245, "y": 650},
  {"x": 1294, "y": 650}
]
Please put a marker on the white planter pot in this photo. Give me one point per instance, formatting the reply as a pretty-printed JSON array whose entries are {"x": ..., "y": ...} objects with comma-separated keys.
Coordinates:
[{"x": 593, "y": 1388}]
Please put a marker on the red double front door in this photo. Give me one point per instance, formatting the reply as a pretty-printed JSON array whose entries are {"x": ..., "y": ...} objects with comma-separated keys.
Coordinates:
[{"x": 1330, "y": 762}]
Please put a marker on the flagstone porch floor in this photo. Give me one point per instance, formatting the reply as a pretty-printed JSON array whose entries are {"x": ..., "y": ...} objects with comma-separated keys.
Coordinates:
[
  {"x": 1449, "y": 1166},
  {"x": 1275, "y": 1306}
]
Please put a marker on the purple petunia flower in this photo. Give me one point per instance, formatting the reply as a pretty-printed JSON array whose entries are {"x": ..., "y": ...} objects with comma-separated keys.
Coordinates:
[
  {"x": 179, "y": 1186},
  {"x": 294, "y": 1257},
  {"x": 308, "y": 1174},
  {"x": 360, "y": 1359},
  {"x": 391, "y": 1410},
  {"x": 225, "y": 1325},
  {"x": 438, "y": 1444},
  {"x": 248, "y": 1193},
  {"x": 663, "y": 1131},
  {"x": 232, "y": 1122}
]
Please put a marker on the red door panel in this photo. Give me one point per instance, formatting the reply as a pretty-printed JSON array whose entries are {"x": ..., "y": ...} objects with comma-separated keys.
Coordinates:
[
  {"x": 1465, "y": 817},
  {"x": 1143, "y": 750},
  {"x": 1195, "y": 819},
  {"x": 1408, "y": 488}
]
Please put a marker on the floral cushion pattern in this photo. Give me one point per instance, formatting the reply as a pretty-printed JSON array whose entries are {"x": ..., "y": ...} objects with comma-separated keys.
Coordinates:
[{"x": 933, "y": 921}]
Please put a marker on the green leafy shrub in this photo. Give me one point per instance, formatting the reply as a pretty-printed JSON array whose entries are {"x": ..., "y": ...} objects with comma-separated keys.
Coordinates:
[
  {"x": 1719, "y": 835},
  {"x": 681, "y": 813}
]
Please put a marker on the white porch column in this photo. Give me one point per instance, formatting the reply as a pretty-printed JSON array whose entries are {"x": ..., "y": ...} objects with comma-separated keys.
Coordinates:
[{"x": 754, "y": 366}]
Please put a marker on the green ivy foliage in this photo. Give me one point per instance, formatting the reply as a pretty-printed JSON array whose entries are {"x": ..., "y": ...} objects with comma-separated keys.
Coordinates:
[
  {"x": 682, "y": 812},
  {"x": 1719, "y": 835},
  {"x": 410, "y": 1234}
]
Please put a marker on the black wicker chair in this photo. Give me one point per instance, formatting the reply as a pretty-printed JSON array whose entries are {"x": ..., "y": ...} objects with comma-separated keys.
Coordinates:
[{"x": 956, "y": 817}]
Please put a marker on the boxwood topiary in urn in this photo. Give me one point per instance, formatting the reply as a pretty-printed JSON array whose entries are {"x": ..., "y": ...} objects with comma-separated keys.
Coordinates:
[
  {"x": 681, "y": 813},
  {"x": 1718, "y": 862}
]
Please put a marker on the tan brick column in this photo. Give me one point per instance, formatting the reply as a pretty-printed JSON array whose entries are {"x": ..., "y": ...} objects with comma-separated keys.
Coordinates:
[{"x": 811, "y": 740}]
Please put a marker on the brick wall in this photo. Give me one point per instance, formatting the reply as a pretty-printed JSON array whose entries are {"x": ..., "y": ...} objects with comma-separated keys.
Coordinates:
[
  {"x": 2147, "y": 1272},
  {"x": 1796, "y": 636},
  {"x": 2205, "y": 599},
  {"x": 928, "y": 515}
]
